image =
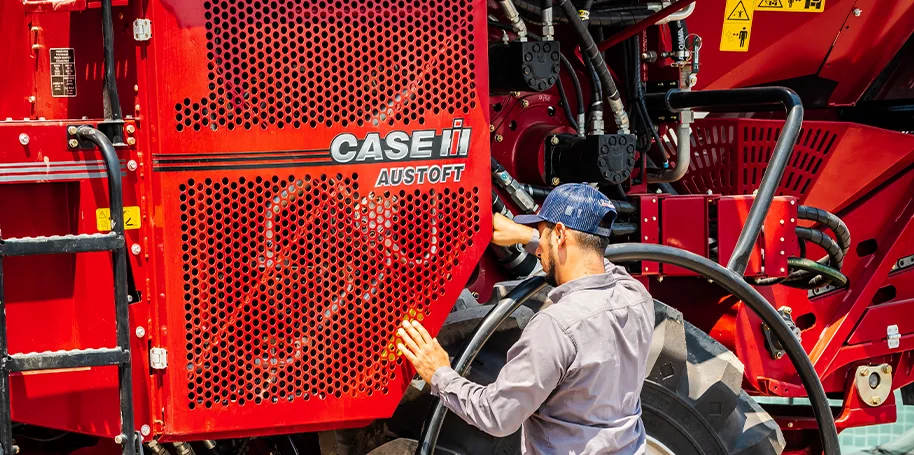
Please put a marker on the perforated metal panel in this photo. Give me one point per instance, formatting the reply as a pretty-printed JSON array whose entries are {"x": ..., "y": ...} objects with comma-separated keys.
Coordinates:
[
  {"x": 305, "y": 63},
  {"x": 286, "y": 267},
  {"x": 729, "y": 156}
]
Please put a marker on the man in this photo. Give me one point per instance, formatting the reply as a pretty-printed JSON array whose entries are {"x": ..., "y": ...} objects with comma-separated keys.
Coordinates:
[{"x": 573, "y": 379}]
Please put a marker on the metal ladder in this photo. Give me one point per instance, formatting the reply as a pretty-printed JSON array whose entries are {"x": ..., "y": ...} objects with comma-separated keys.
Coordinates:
[{"x": 68, "y": 244}]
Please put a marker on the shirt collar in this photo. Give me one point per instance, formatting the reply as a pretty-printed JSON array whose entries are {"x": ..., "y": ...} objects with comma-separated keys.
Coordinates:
[{"x": 601, "y": 281}]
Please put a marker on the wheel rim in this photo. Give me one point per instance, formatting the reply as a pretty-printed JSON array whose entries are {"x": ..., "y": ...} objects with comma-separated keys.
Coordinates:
[{"x": 655, "y": 447}]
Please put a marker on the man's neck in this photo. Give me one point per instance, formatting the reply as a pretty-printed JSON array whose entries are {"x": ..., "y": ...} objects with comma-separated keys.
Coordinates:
[{"x": 583, "y": 268}]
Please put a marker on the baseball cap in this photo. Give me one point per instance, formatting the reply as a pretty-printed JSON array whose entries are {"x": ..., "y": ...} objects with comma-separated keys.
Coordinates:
[{"x": 577, "y": 206}]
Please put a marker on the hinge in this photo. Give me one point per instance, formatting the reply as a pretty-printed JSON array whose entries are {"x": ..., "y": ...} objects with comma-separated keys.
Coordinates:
[
  {"x": 142, "y": 29},
  {"x": 158, "y": 359},
  {"x": 893, "y": 337}
]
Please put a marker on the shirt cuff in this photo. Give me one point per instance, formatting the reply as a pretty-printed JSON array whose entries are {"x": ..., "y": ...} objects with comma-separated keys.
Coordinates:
[{"x": 442, "y": 377}]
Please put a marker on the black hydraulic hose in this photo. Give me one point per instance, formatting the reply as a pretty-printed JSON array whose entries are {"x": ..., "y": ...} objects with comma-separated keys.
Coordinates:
[
  {"x": 541, "y": 192},
  {"x": 677, "y": 100},
  {"x": 842, "y": 234},
  {"x": 729, "y": 280},
  {"x": 824, "y": 274},
  {"x": 565, "y": 107},
  {"x": 589, "y": 49},
  {"x": 112, "y": 102},
  {"x": 835, "y": 255},
  {"x": 615, "y": 16},
  {"x": 499, "y": 313},
  {"x": 578, "y": 93}
]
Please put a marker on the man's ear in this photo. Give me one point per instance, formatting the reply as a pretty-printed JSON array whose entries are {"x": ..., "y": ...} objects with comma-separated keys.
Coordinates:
[{"x": 561, "y": 234}]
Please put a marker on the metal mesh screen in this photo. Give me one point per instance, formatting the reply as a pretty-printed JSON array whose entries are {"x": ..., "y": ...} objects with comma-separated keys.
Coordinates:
[
  {"x": 294, "y": 286},
  {"x": 304, "y": 63}
]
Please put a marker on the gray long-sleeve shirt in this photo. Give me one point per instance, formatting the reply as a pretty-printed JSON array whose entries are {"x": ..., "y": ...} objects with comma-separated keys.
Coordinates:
[{"x": 573, "y": 380}]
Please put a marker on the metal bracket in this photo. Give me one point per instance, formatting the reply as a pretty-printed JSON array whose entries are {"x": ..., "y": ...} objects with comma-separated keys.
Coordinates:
[
  {"x": 158, "y": 358},
  {"x": 874, "y": 383},
  {"x": 142, "y": 29},
  {"x": 771, "y": 343},
  {"x": 892, "y": 336}
]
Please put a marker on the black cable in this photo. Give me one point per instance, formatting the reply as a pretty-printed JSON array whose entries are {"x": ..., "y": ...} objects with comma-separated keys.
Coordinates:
[
  {"x": 617, "y": 16},
  {"x": 835, "y": 255},
  {"x": 565, "y": 107},
  {"x": 829, "y": 275},
  {"x": 578, "y": 93},
  {"x": 842, "y": 234},
  {"x": 112, "y": 102}
]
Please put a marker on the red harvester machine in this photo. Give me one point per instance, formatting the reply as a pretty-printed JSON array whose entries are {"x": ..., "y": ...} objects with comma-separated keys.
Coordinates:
[{"x": 213, "y": 214}]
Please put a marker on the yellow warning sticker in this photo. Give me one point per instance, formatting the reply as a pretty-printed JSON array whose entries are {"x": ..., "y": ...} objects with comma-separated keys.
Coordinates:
[
  {"x": 795, "y": 6},
  {"x": 131, "y": 218},
  {"x": 737, "y": 26}
]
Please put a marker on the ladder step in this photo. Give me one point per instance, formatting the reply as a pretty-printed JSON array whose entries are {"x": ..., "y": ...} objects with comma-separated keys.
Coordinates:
[
  {"x": 75, "y": 358},
  {"x": 61, "y": 244}
]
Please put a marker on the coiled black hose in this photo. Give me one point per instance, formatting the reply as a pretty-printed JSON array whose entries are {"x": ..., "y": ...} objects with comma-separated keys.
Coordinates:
[
  {"x": 835, "y": 255},
  {"x": 842, "y": 234}
]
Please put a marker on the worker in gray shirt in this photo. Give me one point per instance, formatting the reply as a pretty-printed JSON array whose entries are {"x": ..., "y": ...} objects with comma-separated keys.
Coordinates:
[{"x": 573, "y": 379}]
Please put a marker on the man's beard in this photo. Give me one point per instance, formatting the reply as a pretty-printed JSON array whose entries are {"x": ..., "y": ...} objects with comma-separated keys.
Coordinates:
[{"x": 550, "y": 275}]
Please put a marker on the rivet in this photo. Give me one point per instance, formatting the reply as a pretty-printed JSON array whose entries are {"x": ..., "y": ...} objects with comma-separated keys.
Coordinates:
[
  {"x": 135, "y": 248},
  {"x": 793, "y": 220},
  {"x": 645, "y": 269},
  {"x": 73, "y": 143},
  {"x": 653, "y": 218},
  {"x": 645, "y": 237},
  {"x": 24, "y": 139},
  {"x": 131, "y": 141},
  {"x": 793, "y": 202},
  {"x": 144, "y": 430},
  {"x": 131, "y": 165},
  {"x": 131, "y": 129},
  {"x": 645, "y": 220},
  {"x": 782, "y": 252},
  {"x": 140, "y": 332},
  {"x": 654, "y": 200},
  {"x": 789, "y": 424},
  {"x": 136, "y": 88},
  {"x": 782, "y": 221},
  {"x": 782, "y": 239},
  {"x": 782, "y": 270}
]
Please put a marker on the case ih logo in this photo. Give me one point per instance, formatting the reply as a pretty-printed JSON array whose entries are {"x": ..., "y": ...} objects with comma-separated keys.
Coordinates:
[{"x": 400, "y": 145}]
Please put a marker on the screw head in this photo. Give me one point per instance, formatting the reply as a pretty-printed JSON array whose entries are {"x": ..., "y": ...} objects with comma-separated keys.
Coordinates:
[
  {"x": 556, "y": 181},
  {"x": 499, "y": 138},
  {"x": 119, "y": 439},
  {"x": 71, "y": 130},
  {"x": 887, "y": 369},
  {"x": 131, "y": 141},
  {"x": 858, "y": 12},
  {"x": 24, "y": 139},
  {"x": 876, "y": 400},
  {"x": 554, "y": 140},
  {"x": 145, "y": 430},
  {"x": 140, "y": 332},
  {"x": 779, "y": 354},
  {"x": 73, "y": 143},
  {"x": 131, "y": 128},
  {"x": 491, "y": 128},
  {"x": 131, "y": 165},
  {"x": 32, "y": 99},
  {"x": 525, "y": 103},
  {"x": 135, "y": 248}
]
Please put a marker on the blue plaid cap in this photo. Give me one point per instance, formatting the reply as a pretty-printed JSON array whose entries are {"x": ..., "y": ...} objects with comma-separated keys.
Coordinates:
[{"x": 577, "y": 206}]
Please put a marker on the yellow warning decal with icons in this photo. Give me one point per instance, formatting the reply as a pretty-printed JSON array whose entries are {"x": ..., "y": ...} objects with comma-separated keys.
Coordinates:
[
  {"x": 794, "y": 6},
  {"x": 737, "y": 25},
  {"x": 131, "y": 218}
]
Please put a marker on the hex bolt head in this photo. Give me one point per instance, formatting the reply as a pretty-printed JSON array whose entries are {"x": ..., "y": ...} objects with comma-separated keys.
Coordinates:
[
  {"x": 131, "y": 165},
  {"x": 71, "y": 130},
  {"x": 24, "y": 139},
  {"x": 525, "y": 103},
  {"x": 554, "y": 140},
  {"x": 131, "y": 141},
  {"x": 73, "y": 143},
  {"x": 876, "y": 400},
  {"x": 887, "y": 369},
  {"x": 140, "y": 332},
  {"x": 119, "y": 439},
  {"x": 865, "y": 372},
  {"x": 135, "y": 248},
  {"x": 491, "y": 128},
  {"x": 145, "y": 430},
  {"x": 857, "y": 12},
  {"x": 499, "y": 138},
  {"x": 556, "y": 181},
  {"x": 131, "y": 129}
]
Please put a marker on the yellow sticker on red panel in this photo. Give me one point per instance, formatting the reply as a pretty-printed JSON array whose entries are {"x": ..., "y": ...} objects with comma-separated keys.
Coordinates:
[
  {"x": 131, "y": 218},
  {"x": 737, "y": 27},
  {"x": 793, "y": 6}
]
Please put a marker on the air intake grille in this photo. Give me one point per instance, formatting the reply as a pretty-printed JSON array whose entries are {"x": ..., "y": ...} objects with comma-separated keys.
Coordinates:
[
  {"x": 294, "y": 286},
  {"x": 303, "y": 63}
]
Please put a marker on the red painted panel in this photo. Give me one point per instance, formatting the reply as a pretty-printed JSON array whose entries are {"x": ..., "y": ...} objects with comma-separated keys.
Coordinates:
[
  {"x": 684, "y": 224},
  {"x": 873, "y": 323},
  {"x": 649, "y": 209}
]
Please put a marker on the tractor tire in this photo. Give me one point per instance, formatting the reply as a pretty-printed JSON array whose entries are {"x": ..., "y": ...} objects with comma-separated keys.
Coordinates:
[{"x": 692, "y": 402}]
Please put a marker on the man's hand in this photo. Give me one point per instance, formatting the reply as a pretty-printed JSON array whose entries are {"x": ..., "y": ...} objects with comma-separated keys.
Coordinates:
[
  {"x": 509, "y": 233},
  {"x": 422, "y": 350}
]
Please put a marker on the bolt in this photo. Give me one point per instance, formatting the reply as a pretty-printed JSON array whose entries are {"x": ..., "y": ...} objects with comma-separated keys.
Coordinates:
[
  {"x": 24, "y": 139},
  {"x": 782, "y": 270},
  {"x": 645, "y": 220},
  {"x": 131, "y": 129},
  {"x": 660, "y": 279},
  {"x": 556, "y": 181},
  {"x": 865, "y": 372},
  {"x": 475, "y": 294},
  {"x": 645, "y": 269},
  {"x": 793, "y": 220},
  {"x": 145, "y": 430},
  {"x": 32, "y": 99},
  {"x": 515, "y": 94},
  {"x": 554, "y": 140},
  {"x": 140, "y": 332},
  {"x": 119, "y": 439},
  {"x": 782, "y": 252},
  {"x": 136, "y": 108},
  {"x": 136, "y": 88},
  {"x": 787, "y": 310},
  {"x": 782, "y": 221},
  {"x": 887, "y": 369},
  {"x": 653, "y": 218},
  {"x": 499, "y": 138},
  {"x": 782, "y": 239},
  {"x": 779, "y": 354},
  {"x": 654, "y": 200},
  {"x": 645, "y": 237},
  {"x": 858, "y": 12},
  {"x": 131, "y": 165},
  {"x": 876, "y": 400},
  {"x": 793, "y": 202},
  {"x": 491, "y": 128},
  {"x": 789, "y": 424},
  {"x": 73, "y": 143},
  {"x": 71, "y": 130},
  {"x": 131, "y": 141},
  {"x": 525, "y": 103},
  {"x": 135, "y": 248}
]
